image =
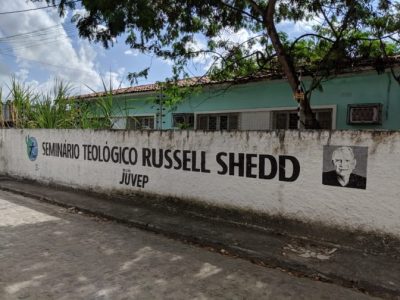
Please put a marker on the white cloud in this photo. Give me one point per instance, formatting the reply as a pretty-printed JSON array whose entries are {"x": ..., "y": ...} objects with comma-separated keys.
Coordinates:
[
  {"x": 4, "y": 71},
  {"x": 50, "y": 50},
  {"x": 116, "y": 79},
  {"x": 22, "y": 74},
  {"x": 295, "y": 29},
  {"x": 34, "y": 84},
  {"x": 206, "y": 60},
  {"x": 167, "y": 61},
  {"x": 132, "y": 52},
  {"x": 240, "y": 37},
  {"x": 235, "y": 37}
]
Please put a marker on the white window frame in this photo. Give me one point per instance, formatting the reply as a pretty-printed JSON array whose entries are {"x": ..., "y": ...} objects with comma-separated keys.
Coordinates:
[
  {"x": 218, "y": 113},
  {"x": 144, "y": 115},
  {"x": 186, "y": 115},
  {"x": 269, "y": 109},
  {"x": 319, "y": 107},
  {"x": 119, "y": 117}
]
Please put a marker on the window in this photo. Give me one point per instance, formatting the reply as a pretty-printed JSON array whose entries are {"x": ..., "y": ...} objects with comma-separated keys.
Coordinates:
[
  {"x": 183, "y": 121},
  {"x": 218, "y": 121},
  {"x": 118, "y": 123},
  {"x": 140, "y": 122},
  {"x": 325, "y": 119},
  {"x": 285, "y": 120},
  {"x": 255, "y": 120},
  {"x": 370, "y": 113},
  {"x": 288, "y": 119}
]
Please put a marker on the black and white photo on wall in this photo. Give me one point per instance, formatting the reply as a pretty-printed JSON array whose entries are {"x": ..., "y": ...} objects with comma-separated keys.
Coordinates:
[{"x": 345, "y": 166}]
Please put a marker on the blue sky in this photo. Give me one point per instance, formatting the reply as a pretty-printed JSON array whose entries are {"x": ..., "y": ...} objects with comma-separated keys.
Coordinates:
[{"x": 38, "y": 46}]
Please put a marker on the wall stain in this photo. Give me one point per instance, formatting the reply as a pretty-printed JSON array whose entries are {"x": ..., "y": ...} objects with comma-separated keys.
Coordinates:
[
  {"x": 328, "y": 142},
  {"x": 378, "y": 138},
  {"x": 281, "y": 136}
]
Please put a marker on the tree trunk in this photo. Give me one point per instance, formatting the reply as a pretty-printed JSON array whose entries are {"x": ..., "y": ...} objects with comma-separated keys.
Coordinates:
[
  {"x": 307, "y": 118},
  {"x": 306, "y": 115}
]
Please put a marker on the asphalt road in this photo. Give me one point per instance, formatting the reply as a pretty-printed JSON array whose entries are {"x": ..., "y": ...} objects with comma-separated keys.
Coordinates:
[{"x": 48, "y": 252}]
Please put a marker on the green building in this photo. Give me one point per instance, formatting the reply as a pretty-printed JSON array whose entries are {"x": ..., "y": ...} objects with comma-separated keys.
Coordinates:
[{"x": 357, "y": 100}]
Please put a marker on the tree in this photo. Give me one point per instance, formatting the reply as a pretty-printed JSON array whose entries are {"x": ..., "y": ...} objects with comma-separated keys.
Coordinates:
[{"x": 350, "y": 32}]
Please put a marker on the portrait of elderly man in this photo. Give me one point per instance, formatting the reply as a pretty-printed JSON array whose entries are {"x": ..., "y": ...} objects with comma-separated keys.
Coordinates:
[{"x": 344, "y": 163}]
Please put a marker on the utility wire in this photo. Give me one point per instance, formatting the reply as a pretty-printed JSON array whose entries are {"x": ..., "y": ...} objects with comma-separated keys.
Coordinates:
[
  {"x": 38, "y": 43},
  {"x": 36, "y": 8},
  {"x": 49, "y": 41},
  {"x": 37, "y": 38},
  {"x": 40, "y": 62},
  {"x": 9, "y": 37}
]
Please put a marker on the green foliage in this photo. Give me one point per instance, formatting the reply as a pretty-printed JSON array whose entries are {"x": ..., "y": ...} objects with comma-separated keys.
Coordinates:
[
  {"x": 349, "y": 33},
  {"x": 105, "y": 108},
  {"x": 134, "y": 76},
  {"x": 23, "y": 99},
  {"x": 58, "y": 109},
  {"x": 174, "y": 93}
]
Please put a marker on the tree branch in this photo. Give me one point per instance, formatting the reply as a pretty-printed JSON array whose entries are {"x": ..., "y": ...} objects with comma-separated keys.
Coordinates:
[
  {"x": 241, "y": 11},
  {"x": 327, "y": 20},
  {"x": 256, "y": 7},
  {"x": 287, "y": 64},
  {"x": 395, "y": 76},
  {"x": 306, "y": 35},
  {"x": 317, "y": 78}
]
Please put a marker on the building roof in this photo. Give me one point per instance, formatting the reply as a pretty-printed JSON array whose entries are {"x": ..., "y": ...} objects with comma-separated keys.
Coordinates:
[
  {"x": 363, "y": 65},
  {"x": 147, "y": 88}
]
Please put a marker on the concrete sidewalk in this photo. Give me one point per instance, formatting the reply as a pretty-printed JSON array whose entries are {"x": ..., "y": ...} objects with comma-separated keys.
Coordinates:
[{"x": 375, "y": 273}]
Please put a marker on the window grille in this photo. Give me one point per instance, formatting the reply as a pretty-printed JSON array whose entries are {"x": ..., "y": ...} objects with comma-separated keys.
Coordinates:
[
  {"x": 218, "y": 121},
  {"x": 370, "y": 113},
  {"x": 140, "y": 122},
  {"x": 288, "y": 119},
  {"x": 183, "y": 120},
  {"x": 285, "y": 120}
]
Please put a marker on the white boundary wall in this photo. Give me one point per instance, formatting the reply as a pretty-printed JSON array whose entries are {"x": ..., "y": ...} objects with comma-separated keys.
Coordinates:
[{"x": 375, "y": 208}]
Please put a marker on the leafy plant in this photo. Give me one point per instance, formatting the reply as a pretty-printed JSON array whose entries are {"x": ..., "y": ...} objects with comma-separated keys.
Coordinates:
[{"x": 58, "y": 108}]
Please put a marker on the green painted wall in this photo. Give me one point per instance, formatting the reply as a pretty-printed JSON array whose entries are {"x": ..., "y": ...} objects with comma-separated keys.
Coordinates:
[
  {"x": 341, "y": 91},
  {"x": 363, "y": 88}
]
